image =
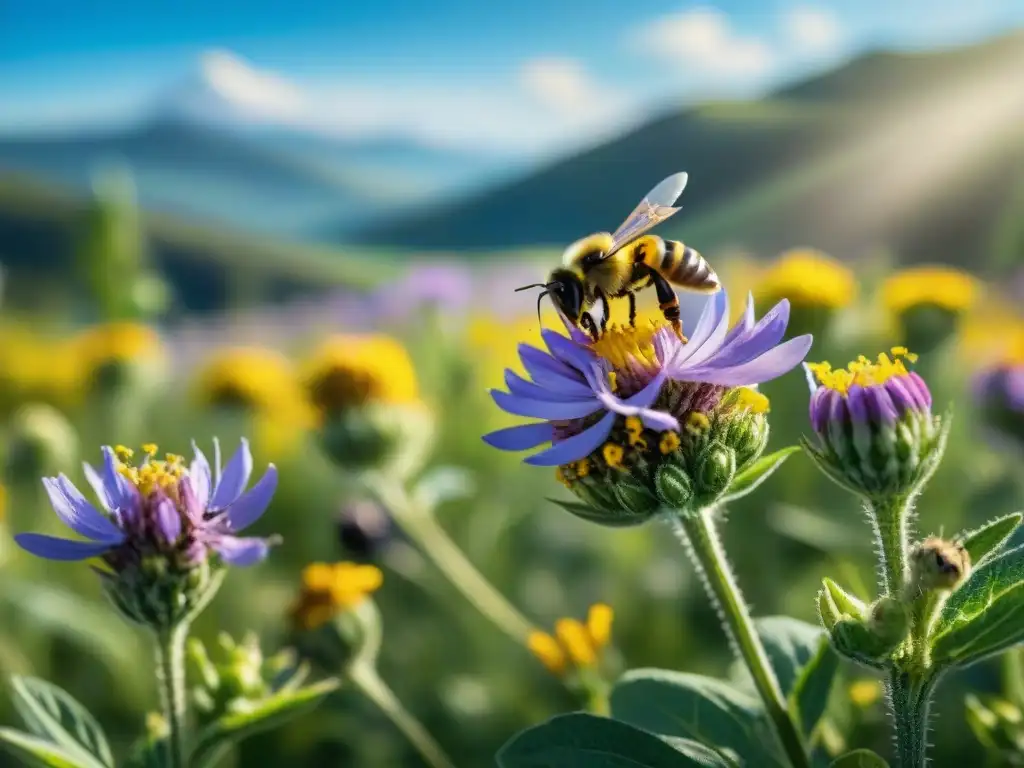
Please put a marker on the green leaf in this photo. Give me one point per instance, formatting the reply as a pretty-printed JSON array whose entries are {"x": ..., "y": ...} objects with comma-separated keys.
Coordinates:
[
  {"x": 688, "y": 706},
  {"x": 37, "y": 752},
  {"x": 613, "y": 519},
  {"x": 805, "y": 664},
  {"x": 52, "y": 713},
  {"x": 747, "y": 480},
  {"x": 214, "y": 740},
  {"x": 985, "y": 615},
  {"x": 587, "y": 741},
  {"x": 859, "y": 758},
  {"x": 987, "y": 539}
]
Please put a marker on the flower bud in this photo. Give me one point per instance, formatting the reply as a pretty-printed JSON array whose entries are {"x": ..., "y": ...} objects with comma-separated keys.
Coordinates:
[
  {"x": 674, "y": 486},
  {"x": 938, "y": 565},
  {"x": 876, "y": 432},
  {"x": 157, "y": 595},
  {"x": 716, "y": 467},
  {"x": 41, "y": 442},
  {"x": 889, "y": 621}
]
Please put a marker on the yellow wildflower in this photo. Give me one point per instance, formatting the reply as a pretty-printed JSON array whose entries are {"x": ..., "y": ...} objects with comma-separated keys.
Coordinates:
[
  {"x": 353, "y": 371},
  {"x": 865, "y": 692},
  {"x": 327, "y": 589},
  {"x": 574, "y": 645},
  {"x": 252, "y": 377},
  {"x": 808, "y": 278},
  {"x": 935, "y": 286}
]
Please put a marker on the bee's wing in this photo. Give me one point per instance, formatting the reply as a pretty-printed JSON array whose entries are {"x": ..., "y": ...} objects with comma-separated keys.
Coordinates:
[{"x": 652, "y": 210}]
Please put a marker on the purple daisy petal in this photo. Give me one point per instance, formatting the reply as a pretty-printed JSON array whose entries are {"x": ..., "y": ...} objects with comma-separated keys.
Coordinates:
[
  {"x": 166, "y": 520},
  {"x": 250, "y": 506},
  {"x": 639, "y": 405},
  {"x": 745, "y": 324},
  {"x": 904, "y": 395},
  {"x": 521, "y": 438},
  {"x": 569, "y": 352},
  {"x": 78, "y": 514},
  {"x": 712, "y": 345},
  {"x": 821, "y": 408},
  {"x": 758, "y": 340},
  {"x": 120, "y": 492},
  {"x": 241, "y": 551},
  {"x": 544, "y": 409},
  {"x": 199, "y": 474},
  {"x": 53, "y": 548},
  {"x": 856, "y": 401},
  {"x": 194, "y": 510},
  {"x": 236, "y": 474},
  {"x": 99, "y": 487},
  {"x": 549, "y": 372},
  {"x": 709, "y": 320},
  {"x": 575, "y": 447},
  {"x": 520, "y": 387},
  {"x": 880, "y": 405},
  {"x": 922, "y": 389},
  {"x": 772, "y": 364}
]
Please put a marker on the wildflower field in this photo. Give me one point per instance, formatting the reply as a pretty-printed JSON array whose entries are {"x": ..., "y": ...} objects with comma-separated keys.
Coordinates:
[{"x": 307, "y": 535}]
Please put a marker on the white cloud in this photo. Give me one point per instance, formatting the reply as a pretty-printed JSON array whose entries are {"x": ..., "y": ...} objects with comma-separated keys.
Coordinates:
[
  {"x": 562, "y": 85},
  {"x": 814, "y": 30},
  {"x": 703, "y": 39},
  {"x": 260, "y": 93}
]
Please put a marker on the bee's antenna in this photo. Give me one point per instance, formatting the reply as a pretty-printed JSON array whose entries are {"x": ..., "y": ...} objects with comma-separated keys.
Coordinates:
[
  {"x": 540, "y": 298},
  {"x": 532, "y": 285}
]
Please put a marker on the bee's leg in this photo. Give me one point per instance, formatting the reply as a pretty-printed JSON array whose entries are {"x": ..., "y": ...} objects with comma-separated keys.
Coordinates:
[
  {"x": 667, "y": 301},
  {"x": 606, "y": 309},
  {"x": 588, "y": 325},
  {"x": 632, "y": 309}
]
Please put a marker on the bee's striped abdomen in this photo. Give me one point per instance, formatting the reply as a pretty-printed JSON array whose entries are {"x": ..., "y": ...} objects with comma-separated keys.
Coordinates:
[{"x": 685, "y": 267}]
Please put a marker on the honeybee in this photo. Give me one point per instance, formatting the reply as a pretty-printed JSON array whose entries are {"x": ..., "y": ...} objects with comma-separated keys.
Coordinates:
[{"x": 607, "y": 266}]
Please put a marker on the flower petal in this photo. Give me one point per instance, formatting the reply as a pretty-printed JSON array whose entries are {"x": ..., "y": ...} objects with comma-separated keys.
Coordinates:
[
  {"x": 746, "y": 322},
  {"x": 99, "y": 487},
  {"x": 241, "y": 551},
  {"x": 766, "y": 367},
  {"x": 549, "y": 372},
  {"x": 710, "y": 318},
  {"x": 519, "y": 386},
  {"x": 575, "y": 447},
  {"x": 569, "y": 352},
  {"x": 120, "y": 491},
  {"x": 53, "y": 548},
  {"x": 199, "y": 475},
  {"x": 521, "y": 438},
  {"x": 766, "y": 334},
  {"x": 710, "y": 346},
  {"x": 78, "y": 514},
  {"x": 251, "y": 505},
  {"x": 236, "y": 474},
  {"x": 544, "y": 409},
  {"x": 167, "y": 521}
]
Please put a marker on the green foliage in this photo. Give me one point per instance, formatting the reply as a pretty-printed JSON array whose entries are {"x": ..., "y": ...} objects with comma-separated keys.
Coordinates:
[
  {"x": 859, "y": 758},
  {"x": 41, "y": 753},
  {"x": 984, "y": 615},
  {"x": 749, "y": 479},
  {"x": 986, "y": 540},
  {"x": 586, "y": 741}
]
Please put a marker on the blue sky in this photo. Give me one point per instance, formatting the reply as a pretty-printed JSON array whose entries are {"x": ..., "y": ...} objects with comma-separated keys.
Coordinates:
[{"x": 518, "y": 77}]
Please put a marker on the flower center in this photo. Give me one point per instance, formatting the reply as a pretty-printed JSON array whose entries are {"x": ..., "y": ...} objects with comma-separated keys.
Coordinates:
[
  {"x": 862, "y": 371},
  {"x": 622, "y": 345},
  {"x": 153, "y": 474},
  {"x": 349, "y": 372}
]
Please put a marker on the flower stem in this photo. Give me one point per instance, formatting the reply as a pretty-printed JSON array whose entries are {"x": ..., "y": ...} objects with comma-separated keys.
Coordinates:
[
  {"x": 422, "y": 527},
  {"x": 697, "y": 532},
  {"x": 889, "y": 520},
  {"x": 366, "y": 679},
  {"x": 170, "y": 676},
  {"x": 910, "y": 699}
]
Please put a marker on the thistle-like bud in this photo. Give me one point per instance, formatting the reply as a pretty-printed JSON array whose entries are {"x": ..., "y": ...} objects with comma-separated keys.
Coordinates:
[
  {"x": 334, "y": 622},
  {"x": 861, "y": 633},
  {"x": 41, "y": 441},
  {"x": 234, "y": 682},
  {"x": 876, "y": 432},
  {"x": 372, "y": 417},
  {"x": 938, "y": 565}
]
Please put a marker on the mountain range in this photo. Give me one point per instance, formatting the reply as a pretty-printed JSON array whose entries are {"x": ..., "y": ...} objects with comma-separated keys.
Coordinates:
[
  {"x": 919, "y": 152},
  {"x": 203, "y": 150}
]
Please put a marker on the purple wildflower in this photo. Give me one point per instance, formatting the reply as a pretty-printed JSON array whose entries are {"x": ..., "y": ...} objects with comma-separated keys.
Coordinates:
[
  {"x": 161, "y": 507},
  {"x": 582, "y": 390}
]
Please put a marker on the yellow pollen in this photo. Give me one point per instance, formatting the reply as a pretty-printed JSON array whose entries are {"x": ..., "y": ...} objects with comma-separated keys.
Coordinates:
[
  {"x": 613, "y": 455},
  {"x": 635, "y": 431},
  {"x": 150, "y": 449},
  {"x": 575, "y": 640},
  {"x": 669, "y": 442},
  {"x": 697, "y": 423},
  {"x": 548, "y": 651},
  {"x": 153, "y": 475},
  {"x": 752, "y": 400},
  {"x": 583, "y": 467},
  {"x": 863, "y": 372},
  {"x": 123, "y": 453},
  {"x": 613, "y": 381},
  {"x": 621, "y": 345}
]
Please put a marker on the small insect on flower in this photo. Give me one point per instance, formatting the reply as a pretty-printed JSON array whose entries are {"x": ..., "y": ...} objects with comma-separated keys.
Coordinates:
[
  {"x": 641, "y": 401},
  {"x": 575, "y": 646},
  {"x": 162, "y": 523},
  {"x": 876, "y": 432}
]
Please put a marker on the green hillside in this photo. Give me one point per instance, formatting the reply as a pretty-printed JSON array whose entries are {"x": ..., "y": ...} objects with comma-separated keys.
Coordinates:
[
  {"x": 920, "y": 152},
  {"x": 206, "y": 266}
]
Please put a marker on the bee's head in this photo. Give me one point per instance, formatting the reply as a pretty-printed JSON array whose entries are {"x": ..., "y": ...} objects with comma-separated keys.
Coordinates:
[{"x": 565, "y": 287}]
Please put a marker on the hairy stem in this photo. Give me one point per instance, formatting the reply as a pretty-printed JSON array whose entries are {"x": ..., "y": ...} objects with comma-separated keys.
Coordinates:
[
  {"x": 698, "y": 533},
  {"x": 422, "y": 527},
  {"x": 170, "y": 676},
  {"x": 910, "y": 699},
  {"x": 366, "y": 679},
  {"x": 889, "y": 518}
]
